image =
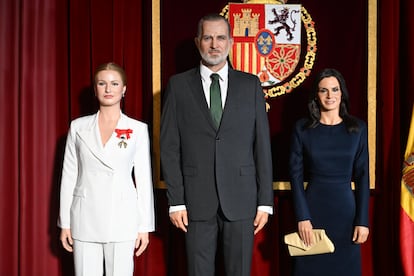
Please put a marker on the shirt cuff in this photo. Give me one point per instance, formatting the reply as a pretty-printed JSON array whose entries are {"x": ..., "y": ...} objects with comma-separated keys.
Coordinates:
[
  {"x": 177, "y": 208},
  {"x": 267, "y": 209}
]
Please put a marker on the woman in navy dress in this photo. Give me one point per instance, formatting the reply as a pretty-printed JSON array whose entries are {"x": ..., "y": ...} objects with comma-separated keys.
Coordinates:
[{"x": 329, "y": 150}]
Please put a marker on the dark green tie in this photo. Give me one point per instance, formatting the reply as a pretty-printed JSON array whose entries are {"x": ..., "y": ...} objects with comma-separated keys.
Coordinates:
[{"x": 215, "y": 99}]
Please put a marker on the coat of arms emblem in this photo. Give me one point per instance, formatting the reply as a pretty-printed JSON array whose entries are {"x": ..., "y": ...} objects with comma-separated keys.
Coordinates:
[{"x": 268, "y": 43}]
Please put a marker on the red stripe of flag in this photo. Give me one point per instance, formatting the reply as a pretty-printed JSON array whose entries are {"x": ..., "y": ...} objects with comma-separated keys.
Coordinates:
[{"x": 407, "y": 242}]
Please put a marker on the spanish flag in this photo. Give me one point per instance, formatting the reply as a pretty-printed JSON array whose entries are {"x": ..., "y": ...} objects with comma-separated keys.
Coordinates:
[{"x": 407, "y": 205}]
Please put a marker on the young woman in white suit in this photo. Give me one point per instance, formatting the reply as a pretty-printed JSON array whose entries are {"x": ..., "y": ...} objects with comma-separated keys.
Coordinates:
[{"x": 107, "y": 205}]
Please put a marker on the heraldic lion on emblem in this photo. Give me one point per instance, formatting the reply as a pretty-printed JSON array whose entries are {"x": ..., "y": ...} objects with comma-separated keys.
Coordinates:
[{"x": 281, "y": 19}]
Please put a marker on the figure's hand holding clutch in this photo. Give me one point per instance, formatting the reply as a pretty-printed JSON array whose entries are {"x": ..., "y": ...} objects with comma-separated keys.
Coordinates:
[{"x": 305, "y": 232}]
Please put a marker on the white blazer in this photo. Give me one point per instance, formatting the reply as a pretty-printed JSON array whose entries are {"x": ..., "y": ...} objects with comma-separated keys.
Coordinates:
[{"x": 99, "y": 200}]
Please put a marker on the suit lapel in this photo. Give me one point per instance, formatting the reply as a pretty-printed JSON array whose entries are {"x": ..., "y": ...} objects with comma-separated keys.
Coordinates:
[
  {"x": 92, "y": 139},
  {"x": 196, "y": 86},
  {"x": 231, "y": 99}
]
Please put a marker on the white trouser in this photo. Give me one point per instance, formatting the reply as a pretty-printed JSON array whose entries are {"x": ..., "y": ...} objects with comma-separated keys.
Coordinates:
[{"x": 90, "y": 257}]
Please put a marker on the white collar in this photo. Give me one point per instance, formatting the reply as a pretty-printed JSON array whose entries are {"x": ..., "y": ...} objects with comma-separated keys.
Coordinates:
[{"x": 206, "y": 72}]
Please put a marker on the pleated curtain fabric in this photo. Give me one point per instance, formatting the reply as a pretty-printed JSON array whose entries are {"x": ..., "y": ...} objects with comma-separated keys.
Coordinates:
[{"x": 215, "y": 99}]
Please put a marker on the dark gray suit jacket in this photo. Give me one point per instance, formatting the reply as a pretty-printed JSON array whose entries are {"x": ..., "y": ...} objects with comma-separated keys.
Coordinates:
[{"x": 204, "y": 167}]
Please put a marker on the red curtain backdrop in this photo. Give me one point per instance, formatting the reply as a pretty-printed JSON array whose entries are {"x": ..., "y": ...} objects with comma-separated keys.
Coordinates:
[
  {"x": 48, "y": 50},
  {"x": 389, "y": 160}
]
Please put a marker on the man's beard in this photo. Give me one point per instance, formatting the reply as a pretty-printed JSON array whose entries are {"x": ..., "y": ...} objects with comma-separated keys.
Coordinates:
[{"x": 214, "y": 60}]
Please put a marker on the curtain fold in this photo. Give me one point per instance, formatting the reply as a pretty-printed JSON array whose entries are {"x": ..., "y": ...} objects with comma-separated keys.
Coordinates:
[
  {"x": 388, "y": 141},
  {"x": 406, "y": 64},
  {"x": 40, "y": 118},
  {"x": 9, "y": 136}
]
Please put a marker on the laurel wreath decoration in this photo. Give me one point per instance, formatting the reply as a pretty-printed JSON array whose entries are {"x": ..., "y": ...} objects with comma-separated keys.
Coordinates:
[{"x": 309, "y": 59}]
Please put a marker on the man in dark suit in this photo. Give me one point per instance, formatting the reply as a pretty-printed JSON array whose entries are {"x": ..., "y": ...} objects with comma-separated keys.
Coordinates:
[{"x": 217, "y": 167}]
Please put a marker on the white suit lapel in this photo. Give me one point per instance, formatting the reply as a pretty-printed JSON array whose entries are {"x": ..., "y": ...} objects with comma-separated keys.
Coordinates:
[{"x": 92, "y": 139}]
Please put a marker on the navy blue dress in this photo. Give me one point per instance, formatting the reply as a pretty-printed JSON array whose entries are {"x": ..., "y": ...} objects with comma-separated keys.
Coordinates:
[{"x": 329, "y": 158}]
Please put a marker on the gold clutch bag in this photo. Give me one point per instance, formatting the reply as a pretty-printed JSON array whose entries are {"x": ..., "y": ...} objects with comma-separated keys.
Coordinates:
[{"x": 322, "y": 244}]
